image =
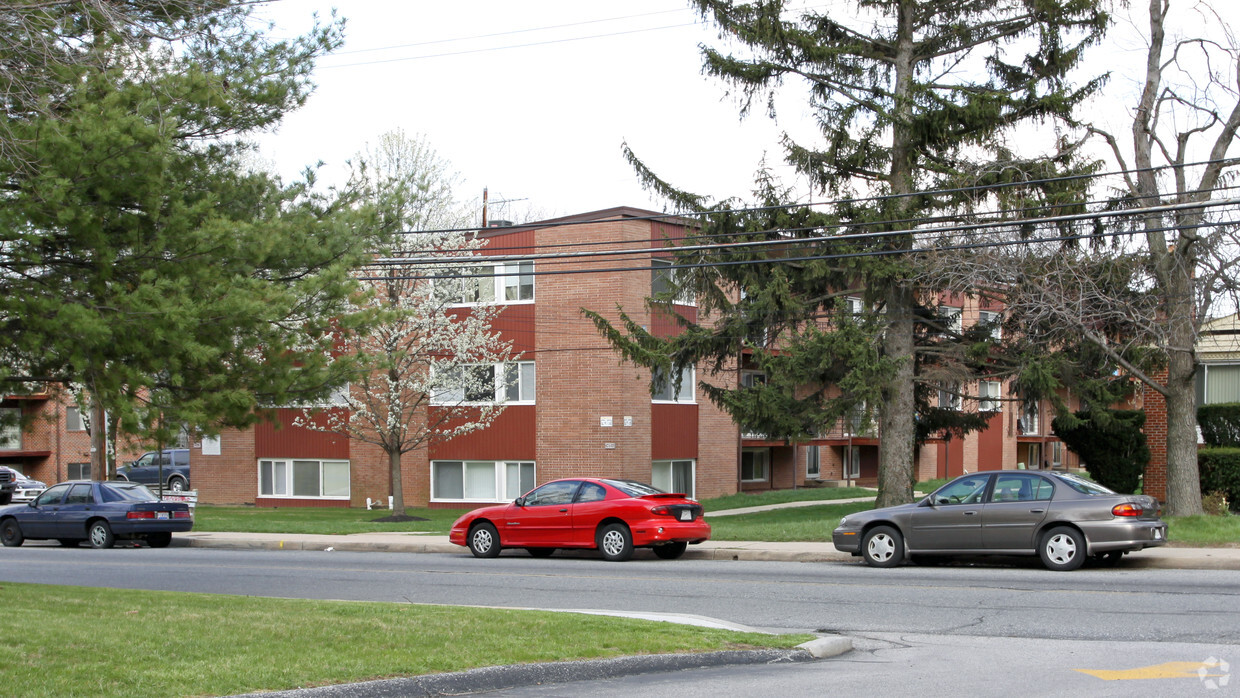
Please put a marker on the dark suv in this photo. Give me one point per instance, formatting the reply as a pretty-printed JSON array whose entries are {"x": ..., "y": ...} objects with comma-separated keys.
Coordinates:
[
  {"x": 146, "y": 469},
  {"x": 8, "y": 482}
]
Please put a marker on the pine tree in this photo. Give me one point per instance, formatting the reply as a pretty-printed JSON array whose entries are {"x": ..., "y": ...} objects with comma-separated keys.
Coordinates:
[
  {"x": 910, "y": 96},
  {"x": 142, "y": 261}
]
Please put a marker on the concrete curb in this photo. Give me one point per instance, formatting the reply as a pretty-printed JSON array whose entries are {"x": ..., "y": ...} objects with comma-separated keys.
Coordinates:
[
  {"x": 498, "y": 678},
  {"x": 756, "y": 551}
]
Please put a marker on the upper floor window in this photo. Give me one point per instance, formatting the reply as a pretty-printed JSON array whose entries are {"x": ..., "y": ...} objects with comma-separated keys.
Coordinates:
[
  {"x": 989, "y": 394},
  {"x": 949, "y": 318},
  {"x": 949, "y": 397},
  {"x": 666, "y": 390},
  {"x": 993, "y": 320},
  {"x": 512, "y": 381},
  {"x": 73, "y": 419},
  {"x": 664, "y": 277},
  {"x": 483, "y": 284}
]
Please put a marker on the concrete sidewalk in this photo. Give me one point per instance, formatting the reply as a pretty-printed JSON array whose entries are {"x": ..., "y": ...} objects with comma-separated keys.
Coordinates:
[{"x": 1164, "y": 557}]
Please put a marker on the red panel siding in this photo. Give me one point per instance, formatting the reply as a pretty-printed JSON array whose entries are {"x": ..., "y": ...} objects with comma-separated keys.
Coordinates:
[
  {"x": 289, "y": 441},
  {"x": 673, "y": 431},
  {"x": 510, "y": 437},
  {"x": 990, "y": 445}
]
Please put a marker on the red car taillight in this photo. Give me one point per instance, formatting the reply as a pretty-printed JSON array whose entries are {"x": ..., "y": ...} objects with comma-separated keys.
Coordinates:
[{"x": 1127, "y": 509}]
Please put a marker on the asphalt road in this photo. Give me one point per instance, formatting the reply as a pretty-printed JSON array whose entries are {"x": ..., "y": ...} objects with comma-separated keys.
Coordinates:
[{"x": 1018, "y": 600}]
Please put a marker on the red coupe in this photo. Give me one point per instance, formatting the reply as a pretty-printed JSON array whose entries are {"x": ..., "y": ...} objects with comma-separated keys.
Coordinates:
[{"x": 614, "y": 516}]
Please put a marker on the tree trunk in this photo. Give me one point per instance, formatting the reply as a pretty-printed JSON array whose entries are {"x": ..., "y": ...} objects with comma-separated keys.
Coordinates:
[
  {"x": 895, "y": 456},
  {"x": 896, "y": 414},
  {"x": 98, "y": 440},
  {"x": 398, "y": 489}
]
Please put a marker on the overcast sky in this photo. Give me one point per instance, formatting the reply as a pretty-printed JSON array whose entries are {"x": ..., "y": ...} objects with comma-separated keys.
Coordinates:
[{"x": 532, "y": 99}]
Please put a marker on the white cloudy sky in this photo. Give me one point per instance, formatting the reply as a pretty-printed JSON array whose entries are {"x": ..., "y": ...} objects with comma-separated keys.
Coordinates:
[{"x": 532, "y": 99}]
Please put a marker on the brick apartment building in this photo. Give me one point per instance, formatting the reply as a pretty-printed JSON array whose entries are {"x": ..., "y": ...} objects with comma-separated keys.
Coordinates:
[{"x": 579, "y": 410}]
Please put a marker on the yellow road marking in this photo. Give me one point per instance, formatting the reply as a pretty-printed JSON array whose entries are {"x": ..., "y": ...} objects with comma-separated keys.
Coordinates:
[{"x": 1168, "y": 670}]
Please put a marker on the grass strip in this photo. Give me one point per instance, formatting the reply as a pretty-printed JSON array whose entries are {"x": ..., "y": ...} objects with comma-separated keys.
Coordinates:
[{"x": 83, "y": 641}]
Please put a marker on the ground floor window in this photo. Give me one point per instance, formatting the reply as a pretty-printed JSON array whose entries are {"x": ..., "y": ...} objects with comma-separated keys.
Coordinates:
[
  {"x": 852, "y": 462},
  {"x": 755, "y": 464},
  {"x": 303, "y": 478},
  {"x": 480, "y": 481},
  {"x": 673, "y": 476},
  {"x": 813, "y": 466}
]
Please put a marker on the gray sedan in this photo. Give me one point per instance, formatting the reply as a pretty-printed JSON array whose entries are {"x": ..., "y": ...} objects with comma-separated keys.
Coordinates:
[{"x": 1062, "y": 518}]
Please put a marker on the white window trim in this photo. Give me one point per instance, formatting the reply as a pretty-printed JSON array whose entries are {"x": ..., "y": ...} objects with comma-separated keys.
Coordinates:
[
  {"x": 288, "y": 479},
  {"x": 766, "y": 464},
  {"x": 499, "y": 380},
  {"x": 501, "y": 479},
  {"x": 688, "y": 382},
  {"x": 498, "y": 280},
  {"x": 992, "y": 400},
  {"x": 692, "y": 493},
  {"x": 686, "y": 296},
  {"x": 950, "y": 316},
  {"x": 995, "y": 323}
]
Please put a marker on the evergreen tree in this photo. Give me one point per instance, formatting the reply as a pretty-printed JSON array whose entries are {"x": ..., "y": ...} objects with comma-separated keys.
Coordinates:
[
  {"x": 909, "y": 96},
  {"x": 140, "y": 260}
]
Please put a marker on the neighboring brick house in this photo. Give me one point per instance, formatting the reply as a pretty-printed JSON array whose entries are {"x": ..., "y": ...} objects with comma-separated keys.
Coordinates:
[{"x": 576, "y": 408}]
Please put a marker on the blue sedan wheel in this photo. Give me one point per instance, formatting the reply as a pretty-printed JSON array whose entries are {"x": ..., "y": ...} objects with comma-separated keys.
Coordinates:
[
  {"x": 11, "y": 533},
  {"x": 99, "y": 533}
]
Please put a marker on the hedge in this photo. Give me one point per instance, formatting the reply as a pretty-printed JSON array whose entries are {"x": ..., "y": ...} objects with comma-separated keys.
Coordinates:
[
  {"x": 1220, "y": 424},
  {"x": 1220, "y": 472}
]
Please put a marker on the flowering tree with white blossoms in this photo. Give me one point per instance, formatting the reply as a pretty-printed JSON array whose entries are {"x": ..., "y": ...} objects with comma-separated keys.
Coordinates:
[{"x": 434, "y": 366}]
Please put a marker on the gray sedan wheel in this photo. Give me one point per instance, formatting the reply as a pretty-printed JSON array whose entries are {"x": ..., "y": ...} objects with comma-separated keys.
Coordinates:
[
  {"x": 882, "y": 546},
  {"x": 1062, "y": 549},
  {"x": 484, "y": 540},
  {"x": 615, "y": 542}
]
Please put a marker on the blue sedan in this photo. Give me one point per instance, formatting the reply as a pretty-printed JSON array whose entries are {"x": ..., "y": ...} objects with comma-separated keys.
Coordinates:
[{"x": 97, "y": 512}]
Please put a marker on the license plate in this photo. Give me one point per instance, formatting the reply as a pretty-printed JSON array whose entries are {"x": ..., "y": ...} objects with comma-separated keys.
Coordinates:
[
  {"x": 161, "y": 514},
  {"x": 686, "y": 516}
]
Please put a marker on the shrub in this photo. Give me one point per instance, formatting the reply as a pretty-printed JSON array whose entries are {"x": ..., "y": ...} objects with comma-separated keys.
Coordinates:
[
  {"x": 1110, "y": 443},
  {"x": 1220, "y": 424},
  {"x": 1220, "y": 472}
]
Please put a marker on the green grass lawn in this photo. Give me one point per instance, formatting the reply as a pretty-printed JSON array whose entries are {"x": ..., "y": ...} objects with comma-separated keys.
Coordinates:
[{"x": 75, "y": 641}]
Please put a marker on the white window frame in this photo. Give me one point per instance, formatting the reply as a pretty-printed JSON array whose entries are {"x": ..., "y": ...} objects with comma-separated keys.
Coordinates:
[
  {"x": 950, "y": 398},
  {"x": 992, "y": 320},
  {"x": 688, "y": 383},
  {"x": 503, "y": 483},
  {"x": 766, "y": 464},
  {"x": 667, "y": 482},
  {"x": 851, "y": 465},
  {"x": 1031, "y": 417},
  {"x": 501, "y": 277},
  {"x": 73, "y": 419},
  {"x": 524, "y": 371},
  {"x": 668, "y": 268},
  {"x": 11, "y": 434},
  {"x": 950, "y": 317},
  {"x": 813, "y": 462},
  {"x": 989, "y": 396},
  {"x": 283, "y": 479}
]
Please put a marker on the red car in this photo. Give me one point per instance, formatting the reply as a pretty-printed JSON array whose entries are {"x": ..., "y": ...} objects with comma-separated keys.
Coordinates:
[{"x": 614, "y": 516}]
